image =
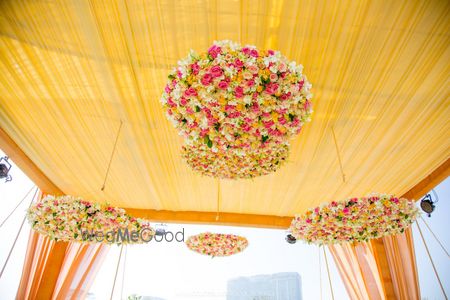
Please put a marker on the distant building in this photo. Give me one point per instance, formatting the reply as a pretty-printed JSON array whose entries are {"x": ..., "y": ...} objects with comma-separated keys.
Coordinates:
[{"x": 278, "y": 286}]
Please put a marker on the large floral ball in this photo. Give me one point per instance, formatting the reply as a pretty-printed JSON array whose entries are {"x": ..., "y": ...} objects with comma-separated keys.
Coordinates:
[
  {"x": 354, "y": 220},
  {"x": 235, "y": 97},
  {"x": 233, "y": 165}
]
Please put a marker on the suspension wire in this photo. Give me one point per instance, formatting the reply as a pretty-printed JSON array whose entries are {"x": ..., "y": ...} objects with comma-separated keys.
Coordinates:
[
  {"x": 112, "y": 156},
  {"x": 218, "y": 199},
  {"x": 23, "y": 199},
  {"x": 338, "y": 154},
  {"x": 17, "y": 236},
  {"x": 123, "y": 273},
  {"x": 432, "y": 263},
  {"x": 328, "y": 271},
  {"x": 435, "y": 237},
  {"x": 117, "y": 270},
  {"x": 320, "y": 274}
]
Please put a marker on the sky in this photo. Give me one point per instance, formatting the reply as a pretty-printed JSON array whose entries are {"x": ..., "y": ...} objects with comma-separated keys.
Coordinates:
[{"x": 171, "y": 271}]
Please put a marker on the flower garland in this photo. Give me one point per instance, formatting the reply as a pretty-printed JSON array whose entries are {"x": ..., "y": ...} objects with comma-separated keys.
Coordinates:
[
  {"x": 232, "y": 165},
  {"x": 66, "y": 218},
  {"x": 216, "y": 244},
  {"x": 354, "y": 220},
  {"x": 237, "y": 98}
]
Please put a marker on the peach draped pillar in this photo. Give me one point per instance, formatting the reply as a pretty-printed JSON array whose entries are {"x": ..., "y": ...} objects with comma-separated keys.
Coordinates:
[
  {"x": 361, "y": 266},
  {"x": 58, "y": 270}
]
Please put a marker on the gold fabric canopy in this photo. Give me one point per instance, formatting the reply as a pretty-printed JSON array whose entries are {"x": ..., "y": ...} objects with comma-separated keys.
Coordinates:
[{"x": 71, "y": 70}]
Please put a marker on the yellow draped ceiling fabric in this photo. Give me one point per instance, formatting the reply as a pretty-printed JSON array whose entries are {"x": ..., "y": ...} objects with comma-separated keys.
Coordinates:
[{"x": 71, "y": 70}]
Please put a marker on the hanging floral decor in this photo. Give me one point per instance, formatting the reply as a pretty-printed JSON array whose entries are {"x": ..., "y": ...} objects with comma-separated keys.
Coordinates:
[
  {"x": 66, "y": 218},
  {"x": 233, "y": 165},
  {"x": 354, "y": 220},
  {"x": 237, "y": 98},
  {"x": 216, "y": 244}
]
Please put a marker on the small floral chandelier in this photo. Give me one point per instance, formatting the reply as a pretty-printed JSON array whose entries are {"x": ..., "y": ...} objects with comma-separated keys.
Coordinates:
[
  {"x": 216, "y": 244},
  {"x": 354, "y": 220},
  {"x": 67, "y": 218}
]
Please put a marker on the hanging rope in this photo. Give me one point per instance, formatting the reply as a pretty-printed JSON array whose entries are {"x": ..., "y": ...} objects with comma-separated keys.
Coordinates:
[
  {"x": 338, "y": 154},
  {"x": 218, "y": 199},
  {"x": 117, "y": 270},
  {"x": 320, "y": 273},
  {"x": 112, "y": 155},
  {"x": 23, "y": 199},
  {"x": 435, "y": 237},
  {"x": 123, "y": 273},
  {"x": 17, "y": 236},
  {"x": 328, "y": 272},
  {"x": 432, "y": 263}
]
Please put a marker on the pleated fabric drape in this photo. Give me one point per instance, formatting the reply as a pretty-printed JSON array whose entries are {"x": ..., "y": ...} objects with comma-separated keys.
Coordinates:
[
  {"x": 360, "y": 267},
  {"x": 72, "y": 266}
]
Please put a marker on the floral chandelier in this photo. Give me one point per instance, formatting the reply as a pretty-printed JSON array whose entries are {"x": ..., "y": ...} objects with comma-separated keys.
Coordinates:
[
  {"x": 239, "y": 101},
  {"x": 66, "y": 218},
  {"x": 232, "y": 165},
  {"x": 216, "y": 244},
  {"x": 354, "y": 220}
]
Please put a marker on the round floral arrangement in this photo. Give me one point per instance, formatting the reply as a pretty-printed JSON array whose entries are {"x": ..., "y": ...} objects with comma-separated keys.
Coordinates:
[
  {"x": 354, "y": 220},
  {"x": 216, "y": 244},
  {"x": 232, "y": 165},
  {"x": 237, "y": 98},
  {"x": 66, "y": 218}
]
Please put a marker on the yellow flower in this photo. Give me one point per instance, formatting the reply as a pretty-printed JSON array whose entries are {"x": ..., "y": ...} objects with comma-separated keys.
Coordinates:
[
  {"x": 259, "y": 89},
  {"x": 275, "y": 116}
]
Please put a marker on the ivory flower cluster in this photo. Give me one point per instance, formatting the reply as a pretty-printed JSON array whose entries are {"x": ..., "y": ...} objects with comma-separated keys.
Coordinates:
[
  {"x": 354, "y": 220},
  {"x": 216, "y": 244},
  {"x": 66, "y": 218},
  {"x": 237, "y": 99}
]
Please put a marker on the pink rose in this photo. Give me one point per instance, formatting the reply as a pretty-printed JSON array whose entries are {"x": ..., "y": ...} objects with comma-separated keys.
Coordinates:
[
  {"x": 167, "y": 89},
  {"x": 246, "y": 50},
  {"x": 239, "y": 92},
  {"x": 307, "y": 105},
  {"x": 254, "y": 53},
  {"x": 271, "y": 52},
  {"x": 250, "y": 83},
  {"x": 273, "y": 77},
  {"x": 238, "y": 63},
  {"x": 195, "y": 68},
  {"x": 190, "y": 92},
  {"x": 300, "y": 85},
  {"x": 253, "y": 69},
  {"x": 216, "y": 71},
  {"x": 223, "y": 85},
  {"x": 183, "y": 101},
  {"x": 207, "y": 79},
  {"x": 214, "y": 51},
  {"x": 271, "y": 88}
]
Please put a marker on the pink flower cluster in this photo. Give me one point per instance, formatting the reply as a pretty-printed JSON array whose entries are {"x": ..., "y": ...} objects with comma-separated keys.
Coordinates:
[
  {"x": 65, "y": 218},
  {"x": 216, "y": 244},
  {"x": 354, "y": 220},
  {"x": 237, "y": 99}
]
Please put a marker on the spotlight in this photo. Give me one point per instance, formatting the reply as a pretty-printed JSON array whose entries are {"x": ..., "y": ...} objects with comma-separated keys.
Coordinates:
[
  {"x": 5, "y": 166},
  {"x": 290, "y": 239},
  {"x": 427, "y": 204},
  {"x": 160, "y": 229}
]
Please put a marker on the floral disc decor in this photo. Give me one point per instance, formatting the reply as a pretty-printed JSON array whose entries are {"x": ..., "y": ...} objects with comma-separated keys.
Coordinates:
[
  {"x": 354, "y": 220},
  {"x": 237, "y": 99},
  {"x": 67, "y": 218},
  {"x": 216, "y": 244},
  {"x": 232, "y": 165}
]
